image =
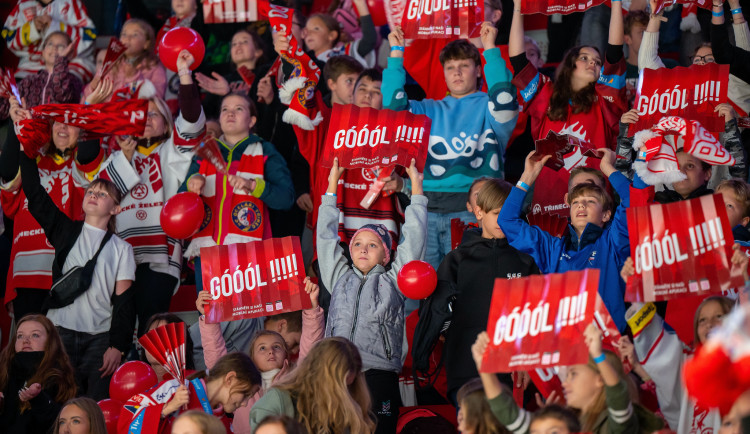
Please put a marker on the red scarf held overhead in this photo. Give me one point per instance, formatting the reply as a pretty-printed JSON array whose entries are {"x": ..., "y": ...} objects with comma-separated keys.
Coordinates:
[
  {"x": 299, "y": 89},
  {"x": 121, "y": 118}
]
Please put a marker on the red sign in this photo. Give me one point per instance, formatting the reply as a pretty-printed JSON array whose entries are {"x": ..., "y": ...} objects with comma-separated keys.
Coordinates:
[
  {"x": 691, "y": 93},
  {"x": 661, "y": 4},
  {"x": 553, "y": 224},
  {"x": 538, "y": 321},
  {"x": 458, "y": 227},
  {"x": 549, "y": 7},
  {"x": 249, "y": 280},
  {"x": 365, "y": 137},
  {"x": 681, "y": 249},
  {"x": 115, "y": 50},
  {"x": 230, "y": 11},
  {"x": 446, "y": 19},
  {"x": 560, "y": 145}
]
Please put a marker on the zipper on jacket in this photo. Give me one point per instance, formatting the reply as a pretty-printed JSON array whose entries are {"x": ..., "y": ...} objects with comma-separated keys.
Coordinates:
[
  {"x": 44, "y": 89},
  {"x": 356, "y": 308},
  {"x": 386, "y": 344},
  {"x": 224, "y": 196}
]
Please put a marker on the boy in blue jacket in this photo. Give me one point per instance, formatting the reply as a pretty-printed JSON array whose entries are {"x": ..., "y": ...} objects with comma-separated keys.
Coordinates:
[
  {"x": 469, "y": 128},
  {"x": 596, "y": 238}
]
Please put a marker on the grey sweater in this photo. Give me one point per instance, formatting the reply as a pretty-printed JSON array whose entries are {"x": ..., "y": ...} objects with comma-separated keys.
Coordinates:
[{"x": 368, "y": 309}]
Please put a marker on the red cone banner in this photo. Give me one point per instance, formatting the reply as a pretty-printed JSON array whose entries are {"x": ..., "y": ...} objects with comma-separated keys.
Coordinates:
[
  {"x": 692, "y": 92},
  {"x": 166, "y": 344},
  {"x": 681, "y": 249},
  {"x": 537, "y": 321},
  {"x": 447, "y": 19},
  {"x": 254, "y": 279},
  {"x": 365, "y": 137}
]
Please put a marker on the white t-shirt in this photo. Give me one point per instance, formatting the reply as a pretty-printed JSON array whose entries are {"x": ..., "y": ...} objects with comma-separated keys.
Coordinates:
[{"x": 91, "y": 312}]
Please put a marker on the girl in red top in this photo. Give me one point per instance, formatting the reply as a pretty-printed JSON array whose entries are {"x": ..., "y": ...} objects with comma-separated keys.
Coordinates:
[
  {"x": 227, "y": 387},
  {"x": 586, "y": 100}
]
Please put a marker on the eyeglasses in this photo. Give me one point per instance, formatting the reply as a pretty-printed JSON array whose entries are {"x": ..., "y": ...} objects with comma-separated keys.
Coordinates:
[
  {"x": 708, "y": 58},
  {"x": 97, "y": 194}
]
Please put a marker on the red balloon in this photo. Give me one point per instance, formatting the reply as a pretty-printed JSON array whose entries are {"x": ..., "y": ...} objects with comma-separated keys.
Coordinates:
[
  {"x": 182, "y": 215},
  {"x": 111, "y": 410},
  {"x": 178, "y": 39},
  {"x": 377, "y": 12},
  {"x": 131, "y": 379},
  {"x": 417, "y": 280}
]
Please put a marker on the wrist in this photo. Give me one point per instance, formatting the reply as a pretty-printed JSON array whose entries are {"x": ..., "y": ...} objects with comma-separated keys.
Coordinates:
[
  {"x": 737, "y": 10},
  {"x": 598, "y": 359}
]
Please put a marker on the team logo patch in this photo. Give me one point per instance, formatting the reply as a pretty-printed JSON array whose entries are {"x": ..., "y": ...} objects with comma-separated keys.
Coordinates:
[
  {"x": 139, "y": 192},
  {"x": 246, "y": 216},
  {"x": 141, "y": 215},
  {"x": 206, "y": 216}
]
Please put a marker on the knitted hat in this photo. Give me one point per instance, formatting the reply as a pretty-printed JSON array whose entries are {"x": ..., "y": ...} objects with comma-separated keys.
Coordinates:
[
  {"x": 661, "y": 143},
  {"x": 379, "y": 231}
]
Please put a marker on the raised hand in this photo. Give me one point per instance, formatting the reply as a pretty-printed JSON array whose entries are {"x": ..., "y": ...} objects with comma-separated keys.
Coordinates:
[
  {"x": 200, "y": 303},
  {"x": 487, "y": 34},
  {"x": 217, "y": 85},
  {"x": 630, "y": 117},
  {"x": 416, "y": 177},
  {"x": 396, "y": 39},
  {"x": 313, "y": 291},
  {"x": 333, "y": 176}
]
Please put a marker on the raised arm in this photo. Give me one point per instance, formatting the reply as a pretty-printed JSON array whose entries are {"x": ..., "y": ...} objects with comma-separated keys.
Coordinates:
[
  {"x": 394, "y": 76},
  {"x": 515, "y": 39},
  {"x": 331, "y": 258},
  {"x": 648, "y": 54},
  {"x": 616, "y": 24}
]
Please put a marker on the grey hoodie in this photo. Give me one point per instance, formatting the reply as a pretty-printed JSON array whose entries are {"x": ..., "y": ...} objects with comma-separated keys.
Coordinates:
[{"x": 368, "y": 310}]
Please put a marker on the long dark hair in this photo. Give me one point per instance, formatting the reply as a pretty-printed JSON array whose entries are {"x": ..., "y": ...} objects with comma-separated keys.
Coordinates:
[
  {"x": 563, "y": 94},
  {"x": 54, "y": 369}
]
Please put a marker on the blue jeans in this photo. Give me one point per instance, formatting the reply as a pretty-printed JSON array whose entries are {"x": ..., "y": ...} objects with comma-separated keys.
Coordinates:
[
  {"x": 439, "y": 234},
  {"x": 595, "y": 28}
]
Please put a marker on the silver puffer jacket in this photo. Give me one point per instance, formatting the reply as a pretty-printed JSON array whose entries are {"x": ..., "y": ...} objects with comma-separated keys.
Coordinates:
[{"x": 368, "y": 309}]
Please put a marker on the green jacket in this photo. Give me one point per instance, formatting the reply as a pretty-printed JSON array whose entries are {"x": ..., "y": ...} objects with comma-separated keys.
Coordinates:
[{"x": 274, "y": 402}]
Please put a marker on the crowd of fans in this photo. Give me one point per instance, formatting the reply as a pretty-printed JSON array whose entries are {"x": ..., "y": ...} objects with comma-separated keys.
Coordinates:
[{"x": 93, "y": 203}]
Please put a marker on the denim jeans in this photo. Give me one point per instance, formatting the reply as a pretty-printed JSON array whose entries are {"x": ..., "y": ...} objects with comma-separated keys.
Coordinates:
[
  {"x": 86, "y": 353},
  {"x": 595, "y": 28},
  {"x": 439, "y": 234}
]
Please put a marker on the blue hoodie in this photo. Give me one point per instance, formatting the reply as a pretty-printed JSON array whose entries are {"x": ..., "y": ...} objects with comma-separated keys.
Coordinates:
[
  {"x": 468, "y": 134},
  {"x": 603, "y": 248}
]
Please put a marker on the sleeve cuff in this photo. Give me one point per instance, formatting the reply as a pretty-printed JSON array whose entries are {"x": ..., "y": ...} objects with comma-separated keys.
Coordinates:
[
  {"x": 396, "y": 62},
  {"x": 260, "y": 187}
]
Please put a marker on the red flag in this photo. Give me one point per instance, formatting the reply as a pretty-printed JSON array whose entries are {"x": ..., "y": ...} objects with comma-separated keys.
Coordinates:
[
  {"x": 561, "y": 145},
  {"x": 209, "y": 150},
  {"x": 365, "y": 137},
  {"x": 549, "y": 7},
  {"x": 447, "y": 19},
  {"x": 692, "y": 92},
  {"x": 115, "y": 50},
  {"x": 538, "y": 321},
  {"x": 250, "y": 280},
  {"x": 8, "y": 84},
  {"x": 681, "y": 249}
]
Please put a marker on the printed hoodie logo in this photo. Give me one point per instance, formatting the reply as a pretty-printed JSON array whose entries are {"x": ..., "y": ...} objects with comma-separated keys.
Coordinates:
[
  {"x": 462, "y": 146},
  {"x": 575, "y": 158}
]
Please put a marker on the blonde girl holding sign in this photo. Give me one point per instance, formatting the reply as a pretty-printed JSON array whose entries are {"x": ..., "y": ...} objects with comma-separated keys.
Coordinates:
[{"x": 597, "y": 389}]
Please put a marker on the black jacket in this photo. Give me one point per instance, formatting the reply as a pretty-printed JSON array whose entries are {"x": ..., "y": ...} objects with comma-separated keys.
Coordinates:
[
  {"x": 466, "y": 279},
  {"x": 40, "y": 416},
  {"x": 669, "y": 196}
]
